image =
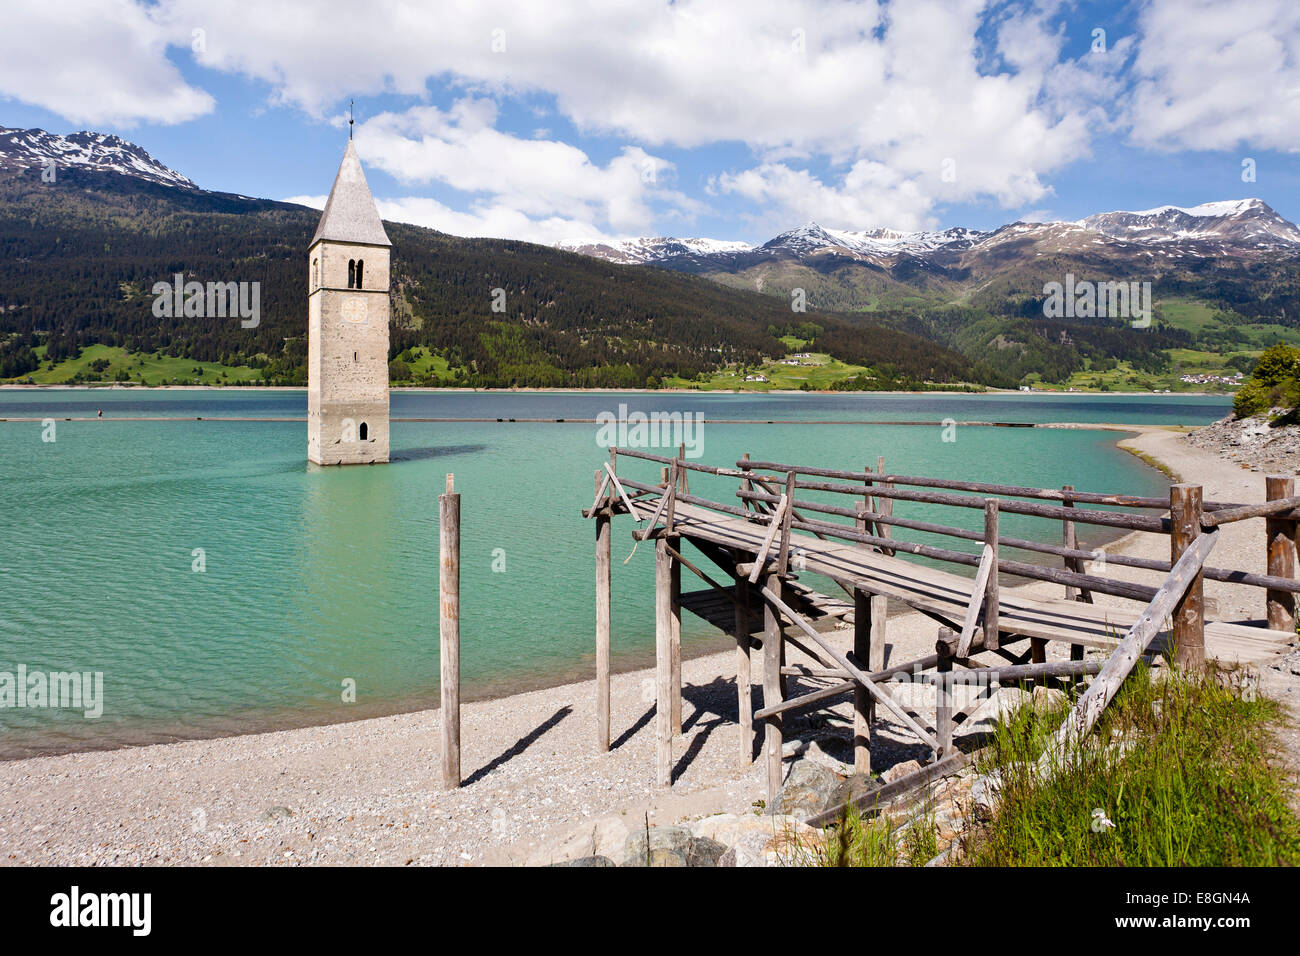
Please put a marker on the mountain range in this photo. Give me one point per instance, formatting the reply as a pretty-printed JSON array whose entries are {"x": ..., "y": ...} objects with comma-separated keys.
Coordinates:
[
  {"x": 1243, "y": 228},
  {"x": 88, "y": 222}
]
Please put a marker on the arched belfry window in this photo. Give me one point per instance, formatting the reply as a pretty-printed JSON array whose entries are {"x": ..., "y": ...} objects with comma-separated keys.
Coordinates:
[
  {"x": 363, "y": 431},
  {"x": 352, "y": 273},
  {"x": 315, "y": 273},
  {"x": 360, "y": 265}
]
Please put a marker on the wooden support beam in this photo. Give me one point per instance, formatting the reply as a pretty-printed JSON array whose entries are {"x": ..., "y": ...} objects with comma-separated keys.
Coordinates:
[
  {"x": 1135, "y": 642},
  {"x": 773, "y": 526},
  {"x": 663, "y": 666},
  {"x": 834, "y": 690},
  {"x": 875, "y": 799},
  {"x": 449, "y": 631},
  {"x": 603, "y": 536},
  {"x": 1189, "y": 612},
  {"x": 856, "y": 672},
  {"x": 744, "y": 678},
  {"x": 772, "y": 639},
  {"x": 1283, "y": 537},
  {"x": 988, "y": 565}
]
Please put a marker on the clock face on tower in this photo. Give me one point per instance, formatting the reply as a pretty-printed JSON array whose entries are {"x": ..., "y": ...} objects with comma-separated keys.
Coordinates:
[{"x": 354, "y": 310}]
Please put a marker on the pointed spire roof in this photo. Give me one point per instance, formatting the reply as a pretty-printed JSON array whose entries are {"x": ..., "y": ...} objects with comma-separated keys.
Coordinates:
[{"x": 350, "y": 214}]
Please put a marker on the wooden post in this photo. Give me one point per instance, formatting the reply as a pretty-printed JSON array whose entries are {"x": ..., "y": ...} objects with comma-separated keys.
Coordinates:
[
  {"x": 663, "y": 665},
  {"x": 863, "y": 703},
  {"x": 675, "y": 613},
  {"x": 992, "y": 598},
  {"x": 746, "y": 485},
  {"x": 1189, "y": 612},
  {"x": 943, "y": 694},
  {"x": 868, "y": 503},
  {"x": 744, "y": 678},
  {"x": 685, "y": 487},
  {"x": 449, "y": 631},
  {"x": 1283, "y": 538},
  {"x": 668, "y": 478},
  {"x": 885, "y": 506},
  {"x": 783, "y": 554},
  {"x": 602, "y": 624},
  {"x": 1070, "y": 539},
  {"x": 772, "y": 641}
]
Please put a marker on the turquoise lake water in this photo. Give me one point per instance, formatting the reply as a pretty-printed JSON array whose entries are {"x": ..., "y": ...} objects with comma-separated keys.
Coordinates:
[{"x": 316, "y": 576}]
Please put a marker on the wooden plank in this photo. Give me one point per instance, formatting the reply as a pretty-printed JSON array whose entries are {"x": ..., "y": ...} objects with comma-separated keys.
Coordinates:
[
  {"x": 1189, "y": 612},
  {"x": 449, "y": 631},
  {"x": 603, "y": 537},
  {"x": 1090, "y": 705},
  {"x": 1280, "y": 535}
]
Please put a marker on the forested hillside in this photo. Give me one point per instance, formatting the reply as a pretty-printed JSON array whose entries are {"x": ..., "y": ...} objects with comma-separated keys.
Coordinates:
[{"x": 82, "y": 256}]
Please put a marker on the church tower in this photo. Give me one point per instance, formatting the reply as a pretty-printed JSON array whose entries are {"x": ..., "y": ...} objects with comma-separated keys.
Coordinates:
[{"x": 347, "y": 308}]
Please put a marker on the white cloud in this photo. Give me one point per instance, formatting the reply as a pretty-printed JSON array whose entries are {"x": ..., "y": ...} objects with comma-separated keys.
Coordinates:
[
  {"x": 541, "y": 179},
  {"x": 96, "y": 62},
  {"x": 1217, "y": 74}
]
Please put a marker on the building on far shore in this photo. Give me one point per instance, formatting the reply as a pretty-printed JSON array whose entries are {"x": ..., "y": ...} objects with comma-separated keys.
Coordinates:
[{"x": 347, "y": 350}]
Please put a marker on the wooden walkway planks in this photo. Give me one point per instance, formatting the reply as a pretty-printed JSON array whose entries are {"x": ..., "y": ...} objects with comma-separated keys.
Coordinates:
[{"x": 946, "y": 596}]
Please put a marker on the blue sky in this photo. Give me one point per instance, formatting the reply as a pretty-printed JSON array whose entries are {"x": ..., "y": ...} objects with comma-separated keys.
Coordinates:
[{"x": 732, "y": 120}]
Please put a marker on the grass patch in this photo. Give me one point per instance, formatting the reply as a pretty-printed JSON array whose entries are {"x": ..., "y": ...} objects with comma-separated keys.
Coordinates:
[
  {"x": 1191, "y": 783},
  {"x": 106, "y": 363}
]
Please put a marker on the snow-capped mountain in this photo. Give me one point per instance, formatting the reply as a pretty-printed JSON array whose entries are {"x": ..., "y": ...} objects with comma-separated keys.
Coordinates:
[
  {"x": 1242, "y": 228},
  {"x": 653, "y": 250},
  {"x": 1241, "y": 222},
  {"x": 22, "y": 149}
]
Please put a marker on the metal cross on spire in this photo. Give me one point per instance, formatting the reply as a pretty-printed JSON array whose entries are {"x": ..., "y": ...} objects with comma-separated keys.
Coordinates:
[{"x": 350, "y": 119}]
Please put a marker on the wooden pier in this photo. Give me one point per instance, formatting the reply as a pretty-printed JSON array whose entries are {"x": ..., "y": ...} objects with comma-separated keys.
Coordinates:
[{"x": 771, "y": 535}]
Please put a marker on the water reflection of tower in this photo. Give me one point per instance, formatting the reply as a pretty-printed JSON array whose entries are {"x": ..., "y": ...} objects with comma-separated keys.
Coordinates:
[{"x": 358, "y": 578}]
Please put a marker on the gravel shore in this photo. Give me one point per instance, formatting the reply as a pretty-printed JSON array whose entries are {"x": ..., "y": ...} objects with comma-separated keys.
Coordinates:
[{"x": 369, "y": 792}]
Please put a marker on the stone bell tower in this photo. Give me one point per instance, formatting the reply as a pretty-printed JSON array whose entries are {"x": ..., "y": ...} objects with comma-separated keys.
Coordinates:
[{"x": 347, "y": 307}]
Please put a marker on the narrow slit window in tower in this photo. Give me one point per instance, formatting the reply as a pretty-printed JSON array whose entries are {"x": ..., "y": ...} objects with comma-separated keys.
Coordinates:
[
  {"x": 360, "y": 264},
  {"x": 352, "y": 273},
  {"x": 362, "y": 431}
]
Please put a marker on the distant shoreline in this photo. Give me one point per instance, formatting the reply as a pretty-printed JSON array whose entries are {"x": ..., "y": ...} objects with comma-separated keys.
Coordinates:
[{"x": 119, "y": 387}]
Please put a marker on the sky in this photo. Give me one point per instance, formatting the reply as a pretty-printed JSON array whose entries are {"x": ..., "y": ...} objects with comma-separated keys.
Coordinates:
[{"x": 729, "y": 119}]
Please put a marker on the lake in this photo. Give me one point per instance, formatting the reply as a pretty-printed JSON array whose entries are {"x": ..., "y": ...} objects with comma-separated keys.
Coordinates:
[{"x": 313, "y": 577}]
